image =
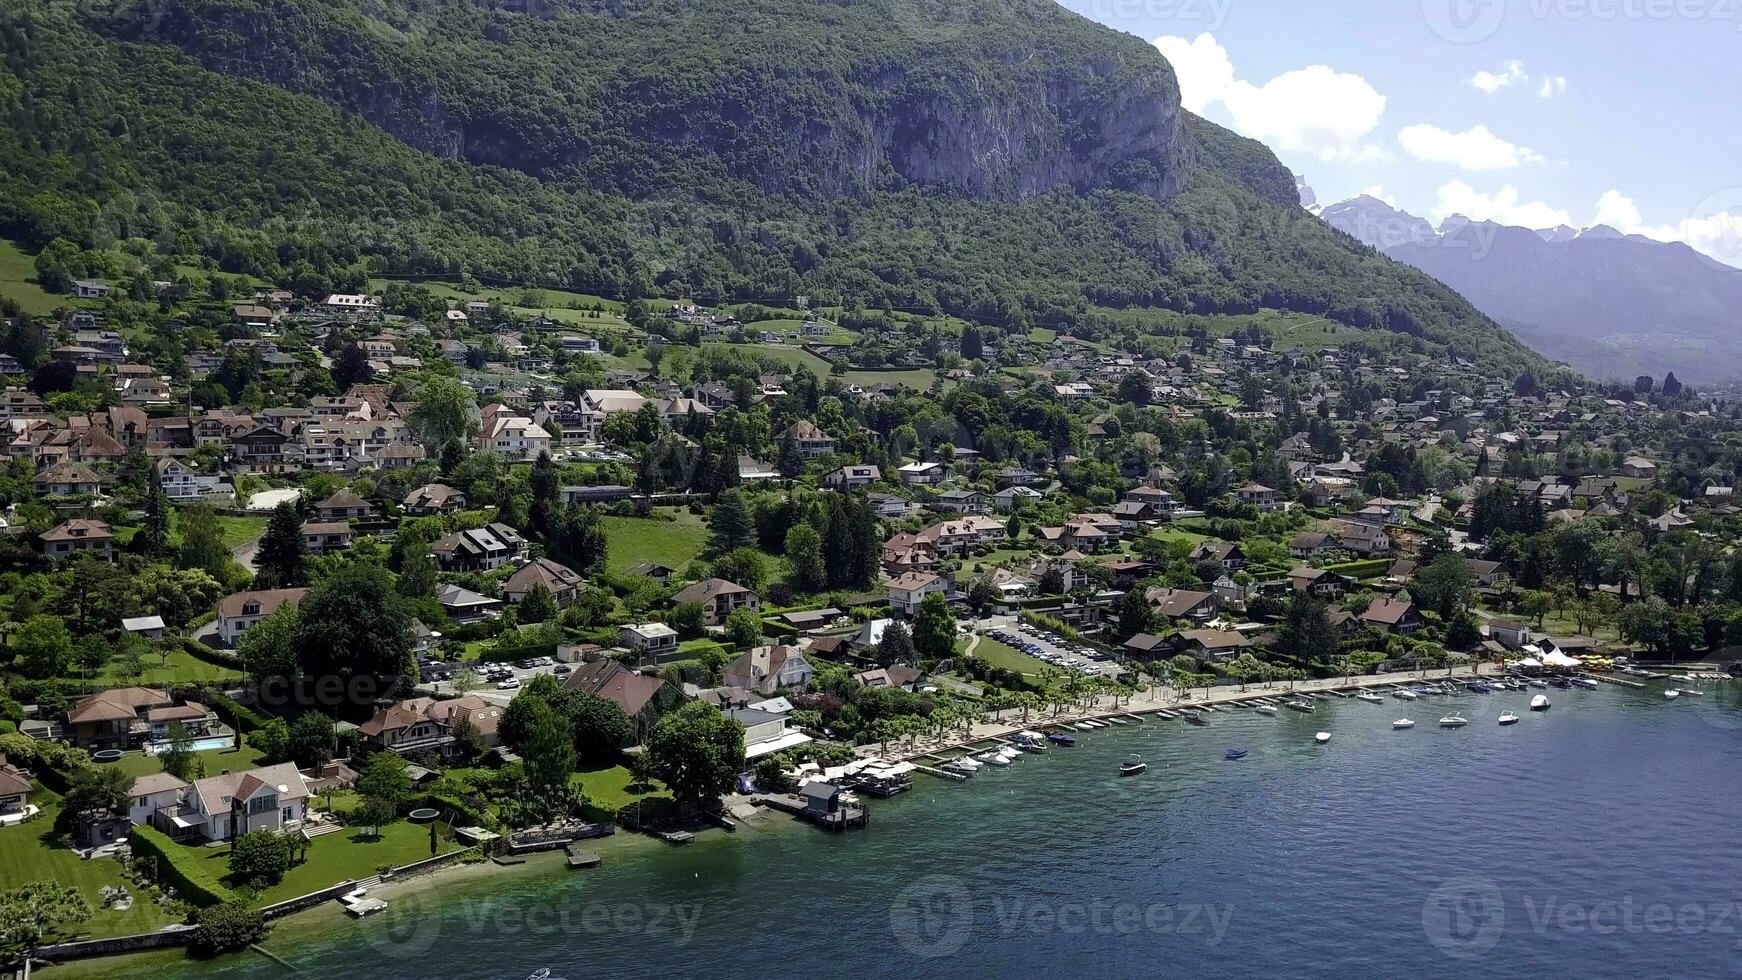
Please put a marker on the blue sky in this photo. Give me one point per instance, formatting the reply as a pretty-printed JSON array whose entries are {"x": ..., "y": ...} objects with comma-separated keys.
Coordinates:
[{"x": 1531, "y": 112}]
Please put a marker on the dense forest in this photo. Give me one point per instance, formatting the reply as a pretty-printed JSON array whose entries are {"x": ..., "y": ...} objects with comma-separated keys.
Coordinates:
[{"x": 988, "y": 166}]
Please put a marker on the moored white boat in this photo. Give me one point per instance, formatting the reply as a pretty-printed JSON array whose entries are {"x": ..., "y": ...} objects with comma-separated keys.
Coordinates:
[
  {"x": 1405, "y": 694},
  {"x": 1322, "y": 737},
  {"x": 1265, "y": 709},
  {"x": 1454, "y": 721},
  {"x": 1508, "y": 718},
  {"x": 1403, "y": 723},
  {"x": 1132, "y": 766},
  {"x": 1671, "y": 694},
  {"x": 1369, "y": 697},
  {"x": 1539, "y": 703}
]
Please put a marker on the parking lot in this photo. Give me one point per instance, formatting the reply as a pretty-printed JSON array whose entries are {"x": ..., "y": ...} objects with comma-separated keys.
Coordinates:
[
  {"x": 1050, "y": 648},
  {"x": 497, "y": 682}
]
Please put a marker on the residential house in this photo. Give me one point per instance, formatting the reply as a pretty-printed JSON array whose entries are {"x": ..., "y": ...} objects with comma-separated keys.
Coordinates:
[
  {"x": 67, "y": 480},
  {"x": 636, "y": 693},
  {"x": 434, "y": 498},
  {"x": 563, "y": 582},
  {"x": 1311, "y": 544},
  {"x": 343, "y": 506},
  {"x": 479, "y": 549},
  {"x": 765, "y": 670},
  {"x": 1266, "y": 499},
  {"x": 465, "y": 606},
  {"x": 114, "y": 719},
  {"x": 427, "y": 726},
  {"x": 1223, "y": 553},
  {"x": 652, "y": 639},
  {"x": 653, "y": 570},
  {"x": 224, "y": 807},
  {"x": 1392, "y": 615},
  {"x": 1639, "y": 468},
  {"x": 853, "y": 477},
  {"x": 812, "y": 442},
  {"x": 184, "y": 484},
  {"x": 1509, "y": 633},
  {"x": 79, "y": 537},
  {"x": 326, "y": 537},
  {"x": 1316, "y": 582},
  {"x": 719, "y": 599},
  {"x": 236, "y": 613},
  {"x": 909, "y": 591},
  {"x": 922, "y": 474},
  {"x": 1208, "y": 644},
  {"x": 1182, "y": 604}
]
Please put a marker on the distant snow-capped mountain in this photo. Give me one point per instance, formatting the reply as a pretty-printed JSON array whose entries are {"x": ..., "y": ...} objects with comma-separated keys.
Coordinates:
[{"x": 1608, "y": 303}]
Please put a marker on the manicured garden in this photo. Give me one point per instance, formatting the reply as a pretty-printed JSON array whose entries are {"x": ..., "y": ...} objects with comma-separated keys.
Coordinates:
[{"x": 34, "y": 852}]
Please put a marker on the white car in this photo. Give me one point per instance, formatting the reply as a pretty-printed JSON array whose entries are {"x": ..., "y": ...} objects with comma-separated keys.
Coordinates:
[{"x": 509, "y": 684}]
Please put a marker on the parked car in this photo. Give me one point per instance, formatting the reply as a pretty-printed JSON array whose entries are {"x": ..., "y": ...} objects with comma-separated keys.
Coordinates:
[{"x": 509, "y": 684}]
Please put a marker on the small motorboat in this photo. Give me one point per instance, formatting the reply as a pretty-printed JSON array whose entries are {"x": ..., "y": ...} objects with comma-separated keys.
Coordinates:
[
  {"x": 1508, "y": 718},
  {"x": 1671, "y": 694},
  {"x": 1132, "y": 766},
  {"x": 1304, "y": 707},
  {"x": 1586, "y": 683},
  {"x": 1236, "y": 753},
  {"x": 969, "y": 762},
  {"x": 957, "y": 768},
  {"x": 1454, "y": 721},
  {"x": 1265, "y": 709},
  {"x": 1010, "y": 752},
  {"x": 1538, "y": 682},
  {"x": 1197, "y": 718},
  {"x": 1405, "y": 694},
  {"x": 1561, "y": 682},
  {"x": 1483, "y": 687},
  {"x": 1403, "y": 723},
  {"x": 1060, "y": 738},
  {"x": 995, "y": 759},
  {"x": 1083, "y": 726},
  {"x": 1369, "y": 697},
  {"x": 1322, "y": 737},
  {"x": 1539, "y": 703}
]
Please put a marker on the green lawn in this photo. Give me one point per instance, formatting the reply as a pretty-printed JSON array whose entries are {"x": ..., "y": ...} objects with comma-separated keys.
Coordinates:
[
  {"x": 673, "y": 543},
  {"x": 179, "y": 667},
  {"x": 139, "y": 764},
  {"x": 31, "y": 852},
  {"x": 921, "y": 379},
  {"x": 17, "y": 275},
  {"x": 609, "y": 789},
  {"x": 1000, "y": 655},
  {"x": 333, "y": 858}
]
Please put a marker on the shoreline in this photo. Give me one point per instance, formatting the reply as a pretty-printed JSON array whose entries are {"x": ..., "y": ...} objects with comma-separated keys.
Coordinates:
[{"x": 1159, "y": 703}]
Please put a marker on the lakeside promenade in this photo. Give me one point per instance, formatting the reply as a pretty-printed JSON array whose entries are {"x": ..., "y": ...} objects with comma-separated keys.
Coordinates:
[{"x": 1009, "y": 721}]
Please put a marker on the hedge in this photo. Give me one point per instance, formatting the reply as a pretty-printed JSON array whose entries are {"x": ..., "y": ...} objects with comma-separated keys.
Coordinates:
[
  {"x": 217, "y": 658},
  {"x": 505, "y": 654},
  {"x": 1366, "y": 568},
  {"x": 179, "y": 868},
  {"x": 242, "y": 718}
]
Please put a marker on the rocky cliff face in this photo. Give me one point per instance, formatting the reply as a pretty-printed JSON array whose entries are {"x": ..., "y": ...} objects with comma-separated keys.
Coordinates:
[{"x": 806, "y": 98}]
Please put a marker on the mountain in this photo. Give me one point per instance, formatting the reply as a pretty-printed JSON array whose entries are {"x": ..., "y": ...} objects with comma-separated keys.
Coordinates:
[
  {"x": 1007, "y": 160},
  {"x": 1607, "y": 303},
  {"x": 1308, "y": 199}
]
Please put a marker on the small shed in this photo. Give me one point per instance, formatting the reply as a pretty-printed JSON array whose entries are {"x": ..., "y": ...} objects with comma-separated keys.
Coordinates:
[{"x": 821, "y": 797}]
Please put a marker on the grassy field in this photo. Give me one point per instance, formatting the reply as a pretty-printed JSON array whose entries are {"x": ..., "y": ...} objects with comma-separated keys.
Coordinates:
[
  {"x": 1000, "y": 655},
  {"x": 179, "y": 667},
  {"x": 31, "y": 852},
  {"x": 794, "y": 358},
  {"x": 138, "y": 764},
  {"x": 609, "y": 789},
  {"x": 17, "y": 275},
  {"x": 333, "y": 858},
  {"x": 671, "y": 543}
]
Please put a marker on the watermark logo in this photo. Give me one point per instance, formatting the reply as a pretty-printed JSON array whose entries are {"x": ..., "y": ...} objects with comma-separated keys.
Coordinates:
[
  {"x": 1464, "y": 917},
  {"x": 1719, "y": 705},
  {"x": 1717, "y": 223},
  {"x": 1464, "y": 21},
  {"x": 933, "y": 917},
  {"x": 407, "y": 928}
]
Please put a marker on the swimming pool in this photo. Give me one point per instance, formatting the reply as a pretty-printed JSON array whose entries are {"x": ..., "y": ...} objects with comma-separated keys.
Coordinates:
[{"x": 208, "y": 744}]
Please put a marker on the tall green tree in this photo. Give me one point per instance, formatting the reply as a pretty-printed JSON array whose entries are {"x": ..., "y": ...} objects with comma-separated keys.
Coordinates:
[
  {"x": 934, "y": 628},
  {"x": 446, "y": 412},
  {"x": 355, "y": 627},
  {"x": 804, "y": 551},
  {"x": 696, "y": 751},
  {"x": 202, "y": 542},
  {"x": 731, "y": 525},
  {"x": 279, "y": 557}
]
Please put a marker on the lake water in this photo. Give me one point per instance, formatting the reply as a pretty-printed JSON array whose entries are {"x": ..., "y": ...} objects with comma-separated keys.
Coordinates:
[{"x": 1597, "y": 839}]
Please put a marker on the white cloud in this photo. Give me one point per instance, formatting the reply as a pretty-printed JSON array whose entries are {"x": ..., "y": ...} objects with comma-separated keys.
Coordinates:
[
  {"x": 1314, "y": 110},
  {"x": 1502, "y": 206},
  {"x": 1512, "y": 74},
  {"x": 1472, "y": 149},
  {"x": 1715, "y": 229}
]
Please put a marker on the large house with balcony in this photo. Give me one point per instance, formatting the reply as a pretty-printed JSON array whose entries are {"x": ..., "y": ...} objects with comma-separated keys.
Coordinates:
[
  {"x": 222, "y": 807},
  {"x": 423, "y": 725},
  {"x": 480, "y": 549}
]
